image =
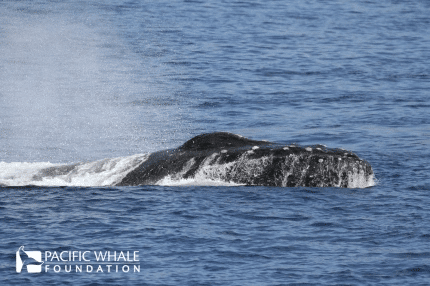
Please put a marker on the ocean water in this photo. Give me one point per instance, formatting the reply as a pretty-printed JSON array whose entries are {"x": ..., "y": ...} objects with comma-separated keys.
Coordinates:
[{"x": 100, "y": 84}]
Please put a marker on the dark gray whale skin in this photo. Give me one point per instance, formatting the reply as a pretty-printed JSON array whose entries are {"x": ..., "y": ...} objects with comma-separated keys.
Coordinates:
[{"x": 232, "y": 158}]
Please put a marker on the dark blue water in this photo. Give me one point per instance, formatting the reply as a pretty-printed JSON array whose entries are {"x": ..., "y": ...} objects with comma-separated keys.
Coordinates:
[{"x": 83, "y": 81}]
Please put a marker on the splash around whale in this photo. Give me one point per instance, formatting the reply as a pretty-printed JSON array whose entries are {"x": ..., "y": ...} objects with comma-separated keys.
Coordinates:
[{"x": 219, "y": 158}]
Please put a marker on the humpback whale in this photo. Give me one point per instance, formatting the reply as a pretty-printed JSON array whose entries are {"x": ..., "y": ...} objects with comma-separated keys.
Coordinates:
[{"x": 232, "y": 158}]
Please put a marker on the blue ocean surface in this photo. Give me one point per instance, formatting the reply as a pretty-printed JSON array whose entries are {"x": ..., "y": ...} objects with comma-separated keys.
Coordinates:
[{"x": 101, "y": 84}]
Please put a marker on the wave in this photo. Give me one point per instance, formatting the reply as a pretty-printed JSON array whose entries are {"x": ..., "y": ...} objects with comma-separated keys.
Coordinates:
[{"x": 106, "y": 172}]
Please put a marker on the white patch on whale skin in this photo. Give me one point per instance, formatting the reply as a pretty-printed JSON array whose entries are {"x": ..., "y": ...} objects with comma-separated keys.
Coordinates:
[
  {"x": 255, "y": 148},
  {"x": 286, "y": 148},
  {"x": 320, "y": 160},
  {"x": 309, "y": 149},
  {"x": 224, "y": 151}
]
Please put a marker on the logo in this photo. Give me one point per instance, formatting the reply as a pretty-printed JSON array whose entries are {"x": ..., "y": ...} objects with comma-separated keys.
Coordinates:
[
  {"x": 31, "y": 259},
  {"x": 77, "y": 261}
]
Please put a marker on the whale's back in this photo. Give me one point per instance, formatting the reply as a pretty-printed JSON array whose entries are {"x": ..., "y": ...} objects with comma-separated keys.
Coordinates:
[{"x": 218, "y": 140}]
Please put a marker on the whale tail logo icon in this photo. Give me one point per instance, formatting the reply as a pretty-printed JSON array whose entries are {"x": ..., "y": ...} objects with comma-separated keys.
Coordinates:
[{"x": 31, "y": 259}]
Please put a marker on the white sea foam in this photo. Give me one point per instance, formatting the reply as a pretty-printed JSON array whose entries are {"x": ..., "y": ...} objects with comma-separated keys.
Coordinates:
[
  {"x": 169, "y": 181},
  {"x": 360, "y": 180},
  {"x": 104, "y": 172},
  {"x": 20, "y": 173}
]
